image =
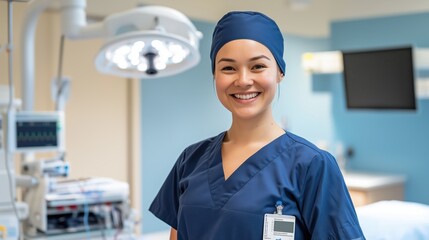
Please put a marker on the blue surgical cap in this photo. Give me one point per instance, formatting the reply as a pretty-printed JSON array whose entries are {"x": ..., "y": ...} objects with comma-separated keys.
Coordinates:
[{"x": 248, "y": 25}]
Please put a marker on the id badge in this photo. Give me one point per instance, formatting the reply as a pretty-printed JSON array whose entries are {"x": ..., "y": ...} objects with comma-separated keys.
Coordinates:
[{"x": 279, "y": 227}]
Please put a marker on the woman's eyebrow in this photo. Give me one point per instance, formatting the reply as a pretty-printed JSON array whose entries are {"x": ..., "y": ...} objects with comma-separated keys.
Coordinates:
[
  {"x": 226, "y": 60},
  {"x": 250, "y": 60},
  {"x": 259, "y": 57}
]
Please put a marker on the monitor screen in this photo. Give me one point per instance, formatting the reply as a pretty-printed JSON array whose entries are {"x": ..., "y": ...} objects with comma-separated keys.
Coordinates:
[
  {"x": 36, "y": 134},
  {"x": 379, "y": 79}
]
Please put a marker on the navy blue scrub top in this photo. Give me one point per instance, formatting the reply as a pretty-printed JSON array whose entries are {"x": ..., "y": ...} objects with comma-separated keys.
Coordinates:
[{"x": 200, "y": 204}]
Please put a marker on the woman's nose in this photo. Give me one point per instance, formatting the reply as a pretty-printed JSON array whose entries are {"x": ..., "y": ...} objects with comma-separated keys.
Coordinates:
[{"x": 243, "y": 79}]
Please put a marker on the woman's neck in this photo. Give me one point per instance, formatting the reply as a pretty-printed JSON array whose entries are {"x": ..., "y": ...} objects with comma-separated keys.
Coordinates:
[{"x": 253, "y": 131}]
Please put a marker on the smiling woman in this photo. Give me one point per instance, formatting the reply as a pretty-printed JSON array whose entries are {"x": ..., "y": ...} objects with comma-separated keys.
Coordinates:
[
  {"x": 246, "y": 77},
  {"x": 229, "y": 186}
]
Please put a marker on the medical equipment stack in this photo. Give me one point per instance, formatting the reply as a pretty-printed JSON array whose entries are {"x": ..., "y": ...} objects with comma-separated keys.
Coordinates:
[{"x": 54, "y": 206}]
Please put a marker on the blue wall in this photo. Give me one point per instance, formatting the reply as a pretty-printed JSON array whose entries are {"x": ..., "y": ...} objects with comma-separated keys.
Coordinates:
[
  {"x": 180, "y": 110},
  {"x": 384, "y": 141}
]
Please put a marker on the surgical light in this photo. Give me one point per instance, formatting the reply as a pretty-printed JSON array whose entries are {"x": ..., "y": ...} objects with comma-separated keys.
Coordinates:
[
  {"x": 164, "y": 42},
  {"x": 145, "y": 42}
]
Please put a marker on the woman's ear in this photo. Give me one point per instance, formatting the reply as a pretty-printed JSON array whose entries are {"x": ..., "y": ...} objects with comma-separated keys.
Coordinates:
[{"x": 280, "y": 77}]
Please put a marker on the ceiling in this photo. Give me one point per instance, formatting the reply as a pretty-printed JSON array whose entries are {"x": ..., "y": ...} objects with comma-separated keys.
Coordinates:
[{"x": 300, "y": 17}]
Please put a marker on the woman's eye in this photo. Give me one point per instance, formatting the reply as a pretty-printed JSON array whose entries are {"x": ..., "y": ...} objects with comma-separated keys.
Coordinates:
[
  {"x": 258, "y": 67},
  {"x": 227, "y": 68}
]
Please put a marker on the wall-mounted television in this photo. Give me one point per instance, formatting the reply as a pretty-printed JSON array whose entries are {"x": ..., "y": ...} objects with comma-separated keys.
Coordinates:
[{"x": 379, "y": 79}]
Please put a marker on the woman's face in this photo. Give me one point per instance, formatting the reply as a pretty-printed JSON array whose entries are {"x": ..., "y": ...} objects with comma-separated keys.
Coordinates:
[{"x": 246, "y": 76}]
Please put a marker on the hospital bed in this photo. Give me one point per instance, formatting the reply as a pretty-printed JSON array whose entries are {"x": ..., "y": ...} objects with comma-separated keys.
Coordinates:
[{"x": 394, "y": 220}]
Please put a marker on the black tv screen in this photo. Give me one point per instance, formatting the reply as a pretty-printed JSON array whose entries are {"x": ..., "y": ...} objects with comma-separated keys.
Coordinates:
[{"x": 379, "y": 79}]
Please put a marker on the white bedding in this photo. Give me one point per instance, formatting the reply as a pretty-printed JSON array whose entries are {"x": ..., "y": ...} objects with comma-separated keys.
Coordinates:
[{"x": 394, "y": 220}]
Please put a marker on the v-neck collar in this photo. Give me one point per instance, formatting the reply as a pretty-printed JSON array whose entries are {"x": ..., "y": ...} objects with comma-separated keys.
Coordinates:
[{"x": 222, "y": 190}]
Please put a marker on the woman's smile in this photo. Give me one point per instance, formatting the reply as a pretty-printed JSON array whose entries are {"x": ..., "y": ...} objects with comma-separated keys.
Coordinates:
[{"x": 245, "y": 96}]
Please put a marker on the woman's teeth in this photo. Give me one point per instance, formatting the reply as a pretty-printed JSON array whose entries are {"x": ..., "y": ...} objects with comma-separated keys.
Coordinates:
[{"x": 246, "y": 96}]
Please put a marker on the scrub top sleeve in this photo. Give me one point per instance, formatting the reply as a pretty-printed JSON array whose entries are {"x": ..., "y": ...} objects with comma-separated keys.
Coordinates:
[
  {"x": 326, "y": 204},
  {"x": 166, "y": 203}
]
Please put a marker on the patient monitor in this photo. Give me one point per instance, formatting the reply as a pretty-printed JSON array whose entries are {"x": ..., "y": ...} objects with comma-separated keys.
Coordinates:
[{"x": 35, "y": 131}]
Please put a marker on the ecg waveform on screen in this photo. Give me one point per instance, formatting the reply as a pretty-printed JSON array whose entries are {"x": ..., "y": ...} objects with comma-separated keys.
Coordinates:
[{"x": 36, "y": 134}]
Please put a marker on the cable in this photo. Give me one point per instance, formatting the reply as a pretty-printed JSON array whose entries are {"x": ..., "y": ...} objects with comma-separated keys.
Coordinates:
[
  {"x": 85, "y": 217},
  {"x": 60, "y": 60},
  {"x": 86, "y": 210},
  {"x": 9, "y": 175},
  {"x": 60, "y": 83},
  {"x": 101, "y": 221},
  {"x": 9, "y": 49},
  {"x": 120, "y": 223}
]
